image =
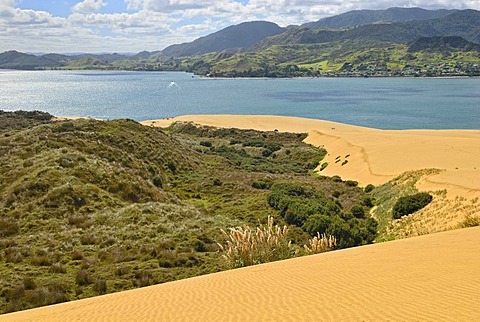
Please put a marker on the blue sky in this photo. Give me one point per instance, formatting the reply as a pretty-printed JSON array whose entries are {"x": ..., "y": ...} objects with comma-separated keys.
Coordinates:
[
  {"x": 134, "y": 25},
  {"x": 63, "y": 8}
]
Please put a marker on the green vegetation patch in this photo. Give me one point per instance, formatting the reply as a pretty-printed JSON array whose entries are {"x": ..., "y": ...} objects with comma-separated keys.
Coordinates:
[
  {"x": 409, "y": 204},
  {"x": 308, "y": 208}
]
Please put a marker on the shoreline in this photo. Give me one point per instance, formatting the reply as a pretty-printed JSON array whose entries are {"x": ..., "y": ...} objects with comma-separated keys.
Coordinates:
[{"x": 247, "y": 78}]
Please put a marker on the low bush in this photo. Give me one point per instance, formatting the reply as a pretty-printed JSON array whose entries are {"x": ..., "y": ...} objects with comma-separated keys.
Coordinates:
[
  {"x": 207, "y": 144},
  {"x": 157, "y": 182},
  {"x": 57, "y": 268},
  {"x": 262, "y": 184},
  {"x": 82, "y": 277},
  {"x": 8, "y": 227},
  {"x": 100, "y": 286},
  {"x": 368, "y": 202},
  {"x": 410, "y": 204},
  {"x": 29, "y": 283},
  {"x": 351, "y": 183}
]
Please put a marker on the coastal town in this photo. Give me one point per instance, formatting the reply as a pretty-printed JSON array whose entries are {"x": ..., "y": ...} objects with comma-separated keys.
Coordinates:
[{"x": 458, "y": 69}]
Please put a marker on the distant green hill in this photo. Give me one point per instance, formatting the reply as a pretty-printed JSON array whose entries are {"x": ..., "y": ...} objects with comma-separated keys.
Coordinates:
[
  {"x": 16, "y": 60},
  {"x": 233, "y": 38},
  {"x": 367, "y": 17},
  {"x": 459, "y": 23}
]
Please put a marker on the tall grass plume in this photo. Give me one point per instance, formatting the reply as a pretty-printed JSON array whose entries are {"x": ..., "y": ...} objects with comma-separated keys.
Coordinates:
[
  {"x": 246, "y": 246},
  {"x": 320, "y": 244}
]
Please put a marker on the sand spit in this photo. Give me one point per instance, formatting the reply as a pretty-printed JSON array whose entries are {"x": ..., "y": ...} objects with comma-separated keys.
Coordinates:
[
  {"x": 375, "y": 156},
  {"x": 428, "y": 278}
]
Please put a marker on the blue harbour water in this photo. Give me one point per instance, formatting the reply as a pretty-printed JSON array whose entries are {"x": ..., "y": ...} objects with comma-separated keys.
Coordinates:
[{"x": 386, "y": 103}]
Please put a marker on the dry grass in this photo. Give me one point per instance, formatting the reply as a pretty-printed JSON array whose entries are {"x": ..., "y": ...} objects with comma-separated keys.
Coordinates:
[
  {"x": 320, "y": 244},
  {"x": 441, "y": 215},
  {"x": 246, "y": 246}
]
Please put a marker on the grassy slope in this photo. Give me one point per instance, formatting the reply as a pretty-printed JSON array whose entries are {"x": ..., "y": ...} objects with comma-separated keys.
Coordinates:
[
  {"x": 88, "y": 207},
  {"x": 332, "y": 56}
]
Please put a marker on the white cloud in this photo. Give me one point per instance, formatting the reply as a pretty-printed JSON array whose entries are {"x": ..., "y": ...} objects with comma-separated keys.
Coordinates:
[
  {"x": 88, "y": 6},
  {"x": 155, "y": 24}
]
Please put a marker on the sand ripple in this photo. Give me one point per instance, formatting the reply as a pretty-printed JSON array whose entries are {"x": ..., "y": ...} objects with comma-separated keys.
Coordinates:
[{"x": 427, "y": 278}]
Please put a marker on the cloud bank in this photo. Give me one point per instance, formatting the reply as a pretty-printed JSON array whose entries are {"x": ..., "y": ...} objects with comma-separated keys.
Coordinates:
[{"x": 155, "y": 24}]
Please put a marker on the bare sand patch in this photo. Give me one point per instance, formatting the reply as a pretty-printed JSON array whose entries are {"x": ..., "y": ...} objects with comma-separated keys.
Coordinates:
[{"x": 427, "y": 278}]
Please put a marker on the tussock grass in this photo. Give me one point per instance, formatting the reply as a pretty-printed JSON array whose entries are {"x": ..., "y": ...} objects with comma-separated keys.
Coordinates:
[
  {"x": 247, "y": 246},
  {"x": 320, "y": 244},
  {"x": 470, "y": 221}
]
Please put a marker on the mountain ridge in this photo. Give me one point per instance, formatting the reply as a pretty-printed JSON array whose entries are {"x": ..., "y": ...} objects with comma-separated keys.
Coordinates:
[
  {"x": 356, "y": 18},
  {"x": 236, "y": 37}
]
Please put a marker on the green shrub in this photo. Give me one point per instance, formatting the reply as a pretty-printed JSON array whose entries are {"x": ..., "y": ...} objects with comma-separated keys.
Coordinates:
[
  {"x": 409, "y": 204},
  {"x": 157, "y": 182},
  {"x": 323, "y": 166},
  {"x": 76, "y": 255},
  {"x": 351, "y": 183},
  {"x": 172, "y": 167},
  {"x": 358, "y": 211},
  {"x": 42, "y": 260},
  {"x": 57, "y": 268},
  {"x": 330, "y": 225},
  {"x": 368, "y": 202},
  {"x": 199, "y": 246},
  {"x": 266, "y": 153},
  {"x": 82, "y": 277},
  {"x": 143, "y": 278},
  {"x": 369, "y": 187},
  {"x": 122, "y": 270},
  {"x": 29, "y": 283},
  {"x": 100, "y": 286},
  {"x": 337, "y": 179},
  {"x": 306, "y": 207},
  {"x": 88, "y": 239},
  {"x": 207, "y": 144},
  {"x": 262, "y": 184},
  {"x": 13, "y": 255},
  {"x": 8, "y": 227}
]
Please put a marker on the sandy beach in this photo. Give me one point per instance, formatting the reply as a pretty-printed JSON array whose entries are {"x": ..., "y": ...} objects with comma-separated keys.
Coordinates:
[
  {"x": 427, "y": 278},
  {"x": 374, "y": 156}
]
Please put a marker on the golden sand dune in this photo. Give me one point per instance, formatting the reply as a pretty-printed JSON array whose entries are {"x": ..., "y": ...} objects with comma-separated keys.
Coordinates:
[
  {"x": 427, "y": 278},
  {"x": 375, "y": 156}
]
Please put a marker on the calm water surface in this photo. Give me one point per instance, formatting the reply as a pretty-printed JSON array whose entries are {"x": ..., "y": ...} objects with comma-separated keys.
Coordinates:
[{"x": 388, "y": 103}]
